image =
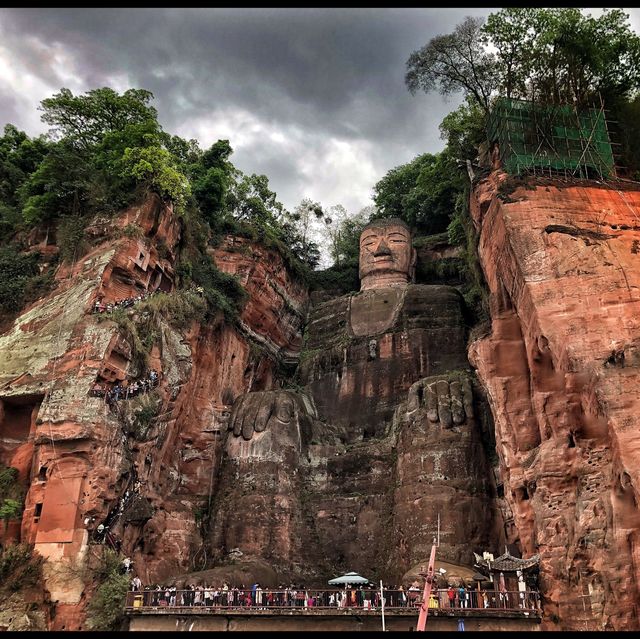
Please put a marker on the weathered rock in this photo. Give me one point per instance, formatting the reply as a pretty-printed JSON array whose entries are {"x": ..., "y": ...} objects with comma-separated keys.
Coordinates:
[
  {"x": 561, "y": 370},
  {"x": 84, "y": 464},
  {"x": 277, "y": 301}
]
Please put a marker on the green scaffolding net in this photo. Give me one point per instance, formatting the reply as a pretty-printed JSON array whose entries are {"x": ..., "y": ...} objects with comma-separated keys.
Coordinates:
[{"x": 551, "y": 139}]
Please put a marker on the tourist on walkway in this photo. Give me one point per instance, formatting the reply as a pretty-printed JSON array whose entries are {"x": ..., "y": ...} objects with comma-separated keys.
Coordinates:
[{"x": 462, "y": 595}]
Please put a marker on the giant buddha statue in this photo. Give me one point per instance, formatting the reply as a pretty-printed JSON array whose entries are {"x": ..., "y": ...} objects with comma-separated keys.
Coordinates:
[{"x": 379, "y": 439}]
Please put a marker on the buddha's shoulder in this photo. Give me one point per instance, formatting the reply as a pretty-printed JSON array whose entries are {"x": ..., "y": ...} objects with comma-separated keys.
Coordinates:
[
  {"x": 327, "y": 319},
  {"x": 431, "y": 305},
  {"x": 433, "y": 293},
  {"x": 411, "y": 294}
]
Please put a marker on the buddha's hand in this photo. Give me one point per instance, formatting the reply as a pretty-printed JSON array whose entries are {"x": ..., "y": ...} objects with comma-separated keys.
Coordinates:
[
  {"x": 447, "y": 399},
  {"x": 255, "y": 412}
]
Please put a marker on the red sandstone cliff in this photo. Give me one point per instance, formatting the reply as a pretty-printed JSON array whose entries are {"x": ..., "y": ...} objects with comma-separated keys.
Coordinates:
[
  {"x": 561, "y": 366},
  {"x": 83, "y": 463}
]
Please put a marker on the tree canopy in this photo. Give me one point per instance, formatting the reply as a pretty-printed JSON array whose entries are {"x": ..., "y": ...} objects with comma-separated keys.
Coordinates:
[
  {"x": 105, "y": 149},
  {"x": 557, "y": 55}
]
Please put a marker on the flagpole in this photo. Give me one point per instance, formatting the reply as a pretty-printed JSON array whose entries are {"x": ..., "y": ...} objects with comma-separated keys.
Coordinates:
[{"x": 382, "y": 603}]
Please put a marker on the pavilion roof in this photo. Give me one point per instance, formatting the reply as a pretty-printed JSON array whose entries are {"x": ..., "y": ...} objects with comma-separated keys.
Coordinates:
[{"x": 507, "y": 563}]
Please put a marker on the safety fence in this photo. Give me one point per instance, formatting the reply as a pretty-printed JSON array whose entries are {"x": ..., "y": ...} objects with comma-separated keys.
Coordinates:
[{"x": 212, "y": 600}]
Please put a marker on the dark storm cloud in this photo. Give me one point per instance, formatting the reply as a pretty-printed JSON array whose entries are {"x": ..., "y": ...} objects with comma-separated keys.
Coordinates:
[{"x": 322, "y": 77}]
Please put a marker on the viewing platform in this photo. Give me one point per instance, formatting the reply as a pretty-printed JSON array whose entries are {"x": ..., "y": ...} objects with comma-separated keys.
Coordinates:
[{"x": 317, "y": 610}]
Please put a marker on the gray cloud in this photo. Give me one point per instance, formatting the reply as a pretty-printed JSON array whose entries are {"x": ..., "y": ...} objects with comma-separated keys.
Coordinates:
[{"x": 313, "y": 98}]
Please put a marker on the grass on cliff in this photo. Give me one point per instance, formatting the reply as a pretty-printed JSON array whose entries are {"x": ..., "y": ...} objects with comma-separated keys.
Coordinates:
[{"x": 195, "y": 269}]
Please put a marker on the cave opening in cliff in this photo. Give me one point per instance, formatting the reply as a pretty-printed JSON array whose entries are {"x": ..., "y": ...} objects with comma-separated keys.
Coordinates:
[
  {"x": 161, "y": 281},
  {"x": 17, "y": 416}
]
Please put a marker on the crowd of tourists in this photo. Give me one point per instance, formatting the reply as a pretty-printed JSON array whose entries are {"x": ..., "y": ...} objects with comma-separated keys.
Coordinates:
[
  {"x": 100, "y": 306},
  {"x": 284, "y": 596},
  {"x": 127, "y": 389},
  {"x": 209, "y": 596}
]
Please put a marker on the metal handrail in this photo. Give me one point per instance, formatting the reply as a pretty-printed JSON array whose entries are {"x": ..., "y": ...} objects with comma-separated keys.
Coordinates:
[{"x": 312, "y": 599}]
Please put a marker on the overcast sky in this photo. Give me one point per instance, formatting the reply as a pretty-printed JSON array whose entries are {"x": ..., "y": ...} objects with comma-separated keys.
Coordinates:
[{"x": 313, "y": 98}]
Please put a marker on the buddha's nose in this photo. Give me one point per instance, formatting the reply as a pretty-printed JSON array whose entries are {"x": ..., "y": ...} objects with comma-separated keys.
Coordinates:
[{"x": 382, "y": 249}]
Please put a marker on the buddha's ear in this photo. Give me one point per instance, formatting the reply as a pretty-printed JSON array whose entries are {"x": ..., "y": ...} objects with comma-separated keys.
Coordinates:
[{"x": 412, "y": 265}]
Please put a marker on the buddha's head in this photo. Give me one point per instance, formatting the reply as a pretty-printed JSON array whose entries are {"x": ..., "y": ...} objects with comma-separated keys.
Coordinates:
[{"x": 386, "y": 255}]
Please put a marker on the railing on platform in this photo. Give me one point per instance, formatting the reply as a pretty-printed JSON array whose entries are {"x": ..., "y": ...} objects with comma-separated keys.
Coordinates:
[{"x": 313, "y": 599}]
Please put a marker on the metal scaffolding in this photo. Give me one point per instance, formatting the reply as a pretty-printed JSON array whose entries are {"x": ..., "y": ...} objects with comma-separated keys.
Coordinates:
[{"x": 552, "y": 139}]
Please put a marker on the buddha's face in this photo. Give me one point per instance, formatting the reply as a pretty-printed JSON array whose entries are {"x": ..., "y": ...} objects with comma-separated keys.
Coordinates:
[{"x": 386, "y": 255}]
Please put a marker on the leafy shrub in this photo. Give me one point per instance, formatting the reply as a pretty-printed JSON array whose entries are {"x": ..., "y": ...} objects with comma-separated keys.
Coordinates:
[
  {"x": 20, "y": 567},
  {"x": 8, "y": 479},
  {"x": 341, "y": 279},
  {"x": 16, "y": 271},
  {"x": 179, "y": 308},
  {"x": 155, "y": 167},
  {"x": 10, "y": 509},
  {"x": 106, "y": 608},
  {"x": 222, "y": 291},
  {"x": 71, "y": 238},
  {"x": 144, "y": 415},
  {"x": 132, "y": 231}
]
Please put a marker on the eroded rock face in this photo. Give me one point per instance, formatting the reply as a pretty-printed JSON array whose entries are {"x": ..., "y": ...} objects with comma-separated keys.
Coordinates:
[
  {"x": 83, "y": 463},
  {"x": 561, "y": 370},
  {"x": 277, "y": 302}
]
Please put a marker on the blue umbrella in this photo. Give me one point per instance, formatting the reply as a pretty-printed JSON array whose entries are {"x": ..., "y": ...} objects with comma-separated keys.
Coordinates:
[{"x": 461, "y": 624}]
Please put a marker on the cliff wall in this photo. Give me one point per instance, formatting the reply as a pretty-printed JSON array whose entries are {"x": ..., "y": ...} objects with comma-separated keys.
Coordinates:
[
  {"x": 561, "y": 367},
  {"x": 83, "y": 462}
]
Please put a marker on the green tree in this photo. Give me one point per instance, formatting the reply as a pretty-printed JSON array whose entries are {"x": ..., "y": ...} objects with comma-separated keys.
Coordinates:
[
  {"x": 106, "y": 608},
  {"x": 59, "y": 186},
  {"x": 20, "y": 156},
  {"x": 464, "y": 129},
  {"x": 10, "y": 509},
  {"x": 421, "y": 192},
  {"x": 155, "y": 168},
  {"x": 251, "y": 200},
  {"x": 85, "y": 119},
  {"x": 346, "y": 242},
  {"x": 16, "y": 272},
  {"x": 88, "y": 168},
  {"x": 304, "y": 223},
  {"x": 562, "y": 55},
  {"x": 548, "y": 55},
  {"x": 213, "y": 176},
  {"x": 455, "y": 62}
]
